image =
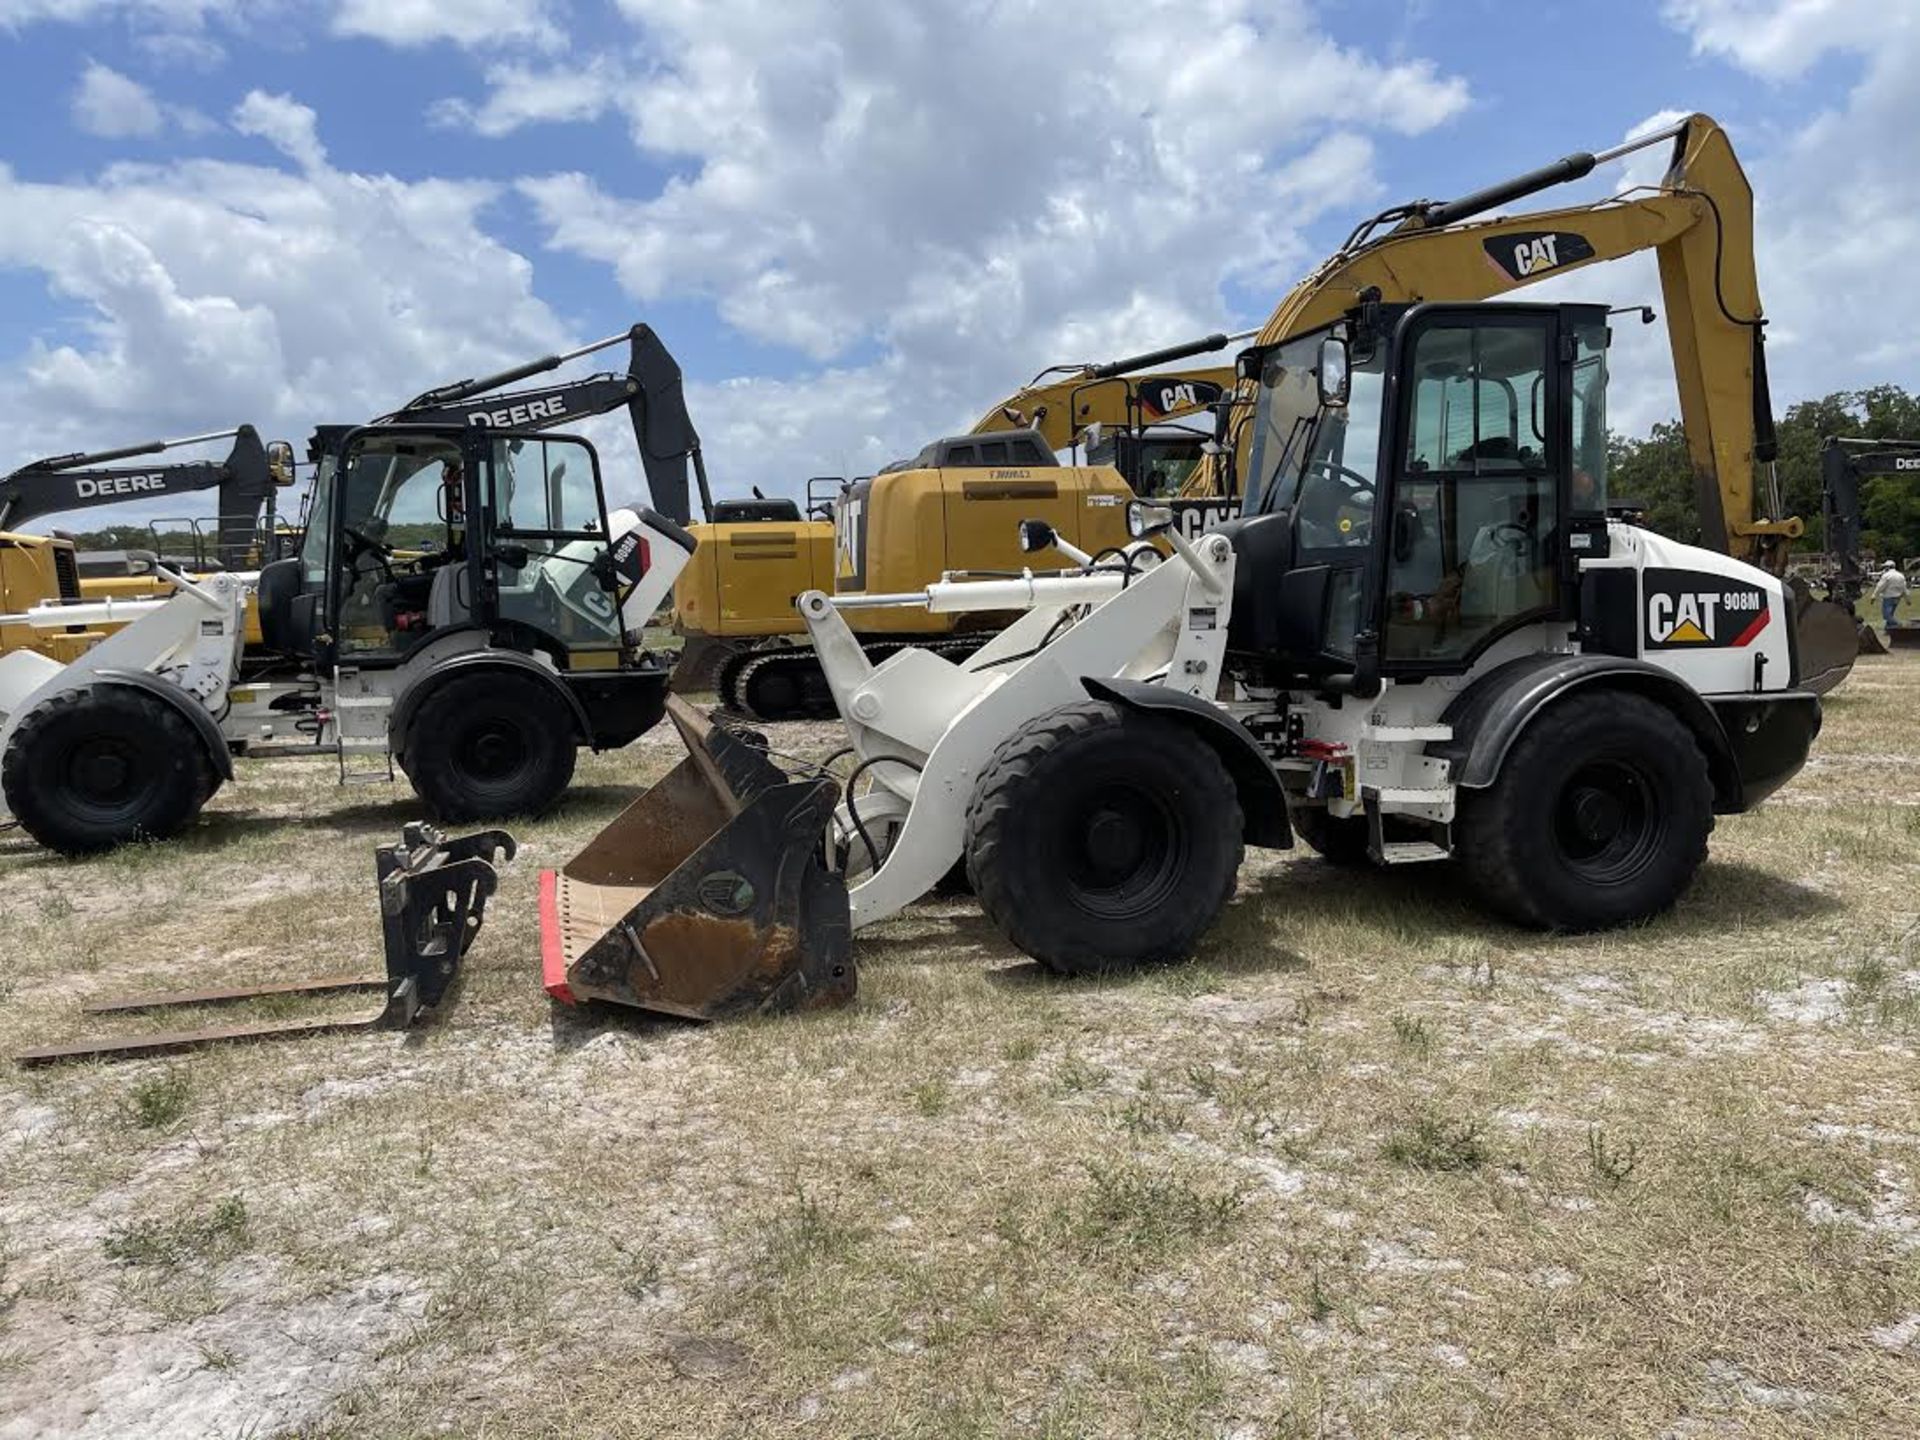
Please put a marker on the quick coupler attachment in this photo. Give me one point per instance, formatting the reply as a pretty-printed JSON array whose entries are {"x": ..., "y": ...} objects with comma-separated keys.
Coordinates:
[
  {"x": 433, "y": 900},
  {"x": 433, "y": 897}
]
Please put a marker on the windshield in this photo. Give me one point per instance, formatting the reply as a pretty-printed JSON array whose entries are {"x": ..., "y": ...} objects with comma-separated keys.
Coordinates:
[{"x": 1315, "y": 458}]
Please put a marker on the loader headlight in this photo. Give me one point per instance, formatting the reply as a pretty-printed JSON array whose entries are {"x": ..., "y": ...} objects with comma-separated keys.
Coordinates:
[
  {"x": 1144, "y": 520},
  {"x": 1035, "y": 536}
]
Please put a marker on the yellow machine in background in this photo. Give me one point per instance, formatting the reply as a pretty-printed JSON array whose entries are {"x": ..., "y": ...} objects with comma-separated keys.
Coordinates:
[
  {"x": 954, "y": 507},
  {"x": 36, "y": 570}
]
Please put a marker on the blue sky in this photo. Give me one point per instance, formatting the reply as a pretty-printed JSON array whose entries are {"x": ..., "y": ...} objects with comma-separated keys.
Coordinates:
[{"x": 855, "y": 223}]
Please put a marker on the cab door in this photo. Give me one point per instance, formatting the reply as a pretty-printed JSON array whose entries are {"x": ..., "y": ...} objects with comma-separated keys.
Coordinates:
[
  {"x": 1472, "y": 542},
  {"x": 543, "y": 564}
]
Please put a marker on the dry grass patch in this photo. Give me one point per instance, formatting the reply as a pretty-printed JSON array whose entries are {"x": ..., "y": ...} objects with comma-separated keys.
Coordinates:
[{"x": 1371, "y": 1165}]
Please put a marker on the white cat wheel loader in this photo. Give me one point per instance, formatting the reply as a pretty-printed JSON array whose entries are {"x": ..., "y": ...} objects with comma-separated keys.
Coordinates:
[
  {"x": 464, "y": 605},
  {"x": 1425, "y": 638}
]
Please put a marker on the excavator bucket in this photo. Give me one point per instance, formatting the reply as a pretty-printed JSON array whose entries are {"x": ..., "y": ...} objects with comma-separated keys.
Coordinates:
[
  {"x": 709, "y": 896},
  {"x": 1830, "y": 639}
]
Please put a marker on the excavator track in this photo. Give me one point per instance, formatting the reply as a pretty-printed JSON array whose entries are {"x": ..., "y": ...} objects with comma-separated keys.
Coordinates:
[{"x": 788, "y": 684}]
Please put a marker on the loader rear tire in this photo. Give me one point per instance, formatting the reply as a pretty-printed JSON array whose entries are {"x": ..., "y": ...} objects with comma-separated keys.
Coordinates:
[
  {"x": 103, "y": 765},
  {"x": 1599, "y": 816},
  {"x": 489, "y": 745},
  {"x": 1098, "y": 838}
]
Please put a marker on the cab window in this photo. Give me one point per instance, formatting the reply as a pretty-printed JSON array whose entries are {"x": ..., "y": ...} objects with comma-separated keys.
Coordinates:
[
  {"x": 553, "y": 572},
  {"x": 1475, "y": 521}
]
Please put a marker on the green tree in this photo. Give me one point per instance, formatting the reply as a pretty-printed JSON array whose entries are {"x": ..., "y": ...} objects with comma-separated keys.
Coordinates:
[{"x": 1657, "y": 472}]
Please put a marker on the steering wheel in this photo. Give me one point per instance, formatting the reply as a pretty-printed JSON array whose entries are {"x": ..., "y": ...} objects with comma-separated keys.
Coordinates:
[
  {"x": 1362, "y": 484},
  {"x": 365, "y": 544}
]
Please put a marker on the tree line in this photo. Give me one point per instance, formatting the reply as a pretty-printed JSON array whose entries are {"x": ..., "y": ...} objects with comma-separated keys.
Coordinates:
[{"x": 1656, "y": 472}]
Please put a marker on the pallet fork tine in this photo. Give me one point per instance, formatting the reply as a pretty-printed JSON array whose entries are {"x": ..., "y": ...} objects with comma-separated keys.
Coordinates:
[{"x": 433, "y": 898}]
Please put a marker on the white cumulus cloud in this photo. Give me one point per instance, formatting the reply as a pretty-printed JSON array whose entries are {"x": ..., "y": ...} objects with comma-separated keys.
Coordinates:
[
  {"x": 1837, "y": 205},
  {"x": 114, "y": 106},
  {"x": 464, "y": 22},
  {"x": 206, "y": 293},
  {"x": 958, "y": 197}
]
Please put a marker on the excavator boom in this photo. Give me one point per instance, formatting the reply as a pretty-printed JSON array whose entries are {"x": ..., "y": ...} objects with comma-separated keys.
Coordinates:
[
  {"x": 650, "y": 391},
  {"x": 246, "y": 480}
]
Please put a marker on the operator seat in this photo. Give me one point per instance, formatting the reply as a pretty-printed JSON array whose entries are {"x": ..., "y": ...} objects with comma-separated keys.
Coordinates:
[{"x": 449, "y": 602}]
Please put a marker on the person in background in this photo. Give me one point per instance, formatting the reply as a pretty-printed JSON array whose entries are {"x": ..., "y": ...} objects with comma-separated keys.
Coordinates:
[{"x": 1890, "y": 589}]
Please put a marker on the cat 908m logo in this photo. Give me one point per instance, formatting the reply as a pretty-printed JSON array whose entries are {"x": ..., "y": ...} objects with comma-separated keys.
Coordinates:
[{"x": 1692, "y": 610}]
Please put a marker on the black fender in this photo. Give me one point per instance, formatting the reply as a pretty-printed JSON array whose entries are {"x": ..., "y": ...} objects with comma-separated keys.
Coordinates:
[
  {"x": 187, "y": 705},
  {"x": 407, "y": 704},
  {"x": 1263, "y": 803},
  {"x": 1492, "y": 712}
]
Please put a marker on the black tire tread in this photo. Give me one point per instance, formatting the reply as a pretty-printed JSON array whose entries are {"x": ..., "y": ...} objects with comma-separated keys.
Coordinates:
[
  {"x": 1506, "y": 870},
  {"x": 429, "y": 765},
  {"x": 24, "y": 775},
  {"x": 1004, "y": 889}
]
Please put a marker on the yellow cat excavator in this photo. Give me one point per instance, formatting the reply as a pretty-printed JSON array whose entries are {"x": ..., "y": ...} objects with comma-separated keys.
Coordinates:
[
  {"x": 1698, "y": 221},
  {"x": 955, "y": 506}
]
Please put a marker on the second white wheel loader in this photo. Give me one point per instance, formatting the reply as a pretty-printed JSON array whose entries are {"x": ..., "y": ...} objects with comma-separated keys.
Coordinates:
[
  {"x": 1425, "y": 638},
  {"x": 464, "y": 605}
]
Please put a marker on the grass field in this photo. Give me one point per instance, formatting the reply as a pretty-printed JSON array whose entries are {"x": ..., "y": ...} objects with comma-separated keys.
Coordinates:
[{"x": 1371, "y": 1165}]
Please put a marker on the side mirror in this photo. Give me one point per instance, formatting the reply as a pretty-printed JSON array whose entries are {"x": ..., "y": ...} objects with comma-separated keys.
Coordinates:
[
  {"x": 1335, "y": 370},
  {"x": 515, "y": 556},
  {"x": 280, "y": 462},
  {"x": 1144, "y": 520},
  {"x": 1035, "y": 536}
]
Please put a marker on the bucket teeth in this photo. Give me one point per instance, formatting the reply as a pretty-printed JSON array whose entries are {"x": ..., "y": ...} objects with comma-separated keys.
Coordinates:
[{"x": 708, "y": 896}]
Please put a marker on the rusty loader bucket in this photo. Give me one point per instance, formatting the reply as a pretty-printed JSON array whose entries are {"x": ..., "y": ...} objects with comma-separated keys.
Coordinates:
[{"x": 708, "y": 896}]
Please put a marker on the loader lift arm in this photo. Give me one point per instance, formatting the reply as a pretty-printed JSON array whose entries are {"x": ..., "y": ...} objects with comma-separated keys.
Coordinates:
[
  {"x": 246, "y": 479},
  {"x": 650, "y": 391}
]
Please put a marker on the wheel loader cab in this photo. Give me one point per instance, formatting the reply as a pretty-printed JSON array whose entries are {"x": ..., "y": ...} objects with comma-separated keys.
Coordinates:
[
  {"x": 1403, "y": 520},
  {"x": 419, "y": 531}
]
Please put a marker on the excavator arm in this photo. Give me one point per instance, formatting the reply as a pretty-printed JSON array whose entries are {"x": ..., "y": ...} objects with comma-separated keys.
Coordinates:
[
  {"x": 1844, "y": 462},
  {"x": 1112, "y": 397},
  {"x": 650, "y": 391},
  {"x": 1699, "y": 224},
  {"x": 246, "y": 479}
]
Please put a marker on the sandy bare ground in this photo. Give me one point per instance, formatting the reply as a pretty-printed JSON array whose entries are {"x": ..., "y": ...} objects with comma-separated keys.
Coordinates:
[{"x": 1371, "y": 1165}]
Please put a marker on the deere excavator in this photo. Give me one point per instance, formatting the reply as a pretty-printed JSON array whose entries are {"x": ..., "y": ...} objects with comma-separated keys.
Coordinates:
[
  {"x": 951, "y": 508},
  {"x": 1844, "y": 462},
  {"x": 1698, "y": 222},
  {"x": 47, "y": 570},
  {"x": 1427, "y": 637}
]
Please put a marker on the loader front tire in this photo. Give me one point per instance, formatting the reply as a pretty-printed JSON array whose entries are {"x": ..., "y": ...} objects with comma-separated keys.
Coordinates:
[
  {"x": 1599, "y": 816},
  {"x": 1098, "y": 838},
  {"x": 483, "y": 746},
  {"x": 102, "y": 765}
]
